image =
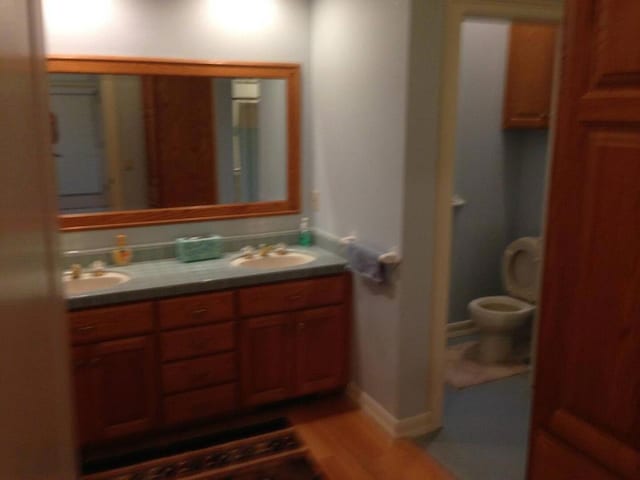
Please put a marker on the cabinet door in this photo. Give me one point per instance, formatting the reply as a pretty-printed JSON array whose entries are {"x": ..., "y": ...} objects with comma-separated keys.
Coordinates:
[
  {"x": 267, "y": 359},
  {"x": 87, "y": 426},
  {"x": 125, "y": 386},
  {"x": 321, "y": 349},
  {"x": 527, "y": 102}
]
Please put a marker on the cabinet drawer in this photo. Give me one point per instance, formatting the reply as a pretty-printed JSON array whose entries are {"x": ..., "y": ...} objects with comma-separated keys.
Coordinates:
[
  {"x": 193, "y": 342},
  {"x": 205, "y": 403},
  {"x": 291, "y": 296},
  {"x": 195, "y": 310},
  {"x": 198, "y": 373},
  {"x": 99, "y": 324},
  {"x": 326, "y": 291}
]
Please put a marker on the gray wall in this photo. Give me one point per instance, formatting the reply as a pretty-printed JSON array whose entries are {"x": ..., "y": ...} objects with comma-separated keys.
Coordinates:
[
  {"x": 359, "y": 76},
  {"x": 501, "y": 174},
  {"x": 190, "y": 29}
]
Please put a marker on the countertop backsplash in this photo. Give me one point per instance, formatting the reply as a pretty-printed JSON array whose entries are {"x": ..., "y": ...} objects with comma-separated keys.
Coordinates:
[{"x": 166, "y": 250}]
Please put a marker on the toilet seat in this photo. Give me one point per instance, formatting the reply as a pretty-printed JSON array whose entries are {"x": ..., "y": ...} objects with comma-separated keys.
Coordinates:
[{"x": 520, "y": 269}]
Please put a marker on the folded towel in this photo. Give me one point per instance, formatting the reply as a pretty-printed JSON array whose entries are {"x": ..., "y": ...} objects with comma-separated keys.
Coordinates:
[{"x": 365, "y": 262}]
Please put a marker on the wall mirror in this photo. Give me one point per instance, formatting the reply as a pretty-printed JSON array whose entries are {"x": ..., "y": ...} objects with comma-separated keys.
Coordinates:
[{"x": 142, "y": 141}]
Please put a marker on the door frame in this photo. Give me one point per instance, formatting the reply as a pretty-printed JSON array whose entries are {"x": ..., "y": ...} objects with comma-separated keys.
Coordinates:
[{"x": 456, "y": 11}]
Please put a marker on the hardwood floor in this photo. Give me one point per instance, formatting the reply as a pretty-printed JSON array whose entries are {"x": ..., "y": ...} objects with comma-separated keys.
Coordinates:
[{"x": 349, "y": 445}]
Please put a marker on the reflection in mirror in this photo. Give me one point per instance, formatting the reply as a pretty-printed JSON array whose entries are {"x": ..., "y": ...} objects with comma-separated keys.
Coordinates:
[{"x": 129, "y": 142}]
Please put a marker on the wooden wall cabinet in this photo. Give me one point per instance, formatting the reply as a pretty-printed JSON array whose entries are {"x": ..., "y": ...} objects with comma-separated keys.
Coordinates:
[
  {"x": 527, "y": 101},
  {"x": 148, "y": 366}
]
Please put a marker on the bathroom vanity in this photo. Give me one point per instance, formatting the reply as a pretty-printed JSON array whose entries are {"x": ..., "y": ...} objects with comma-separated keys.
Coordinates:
[
  {"x": 183, "y": 344},
  {"x": 147, "y": 366}
]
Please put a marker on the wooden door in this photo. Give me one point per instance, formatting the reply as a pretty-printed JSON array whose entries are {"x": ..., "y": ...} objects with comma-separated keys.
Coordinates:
[
  {"x": 180, "y": 138},
  {"x": 527, "y": 101},
  {"x": 267, "y": 359},
  {"x": 586, "y": 422},
  {"x": 125, "y": 386},
  {"x": 321, "y": 349}
]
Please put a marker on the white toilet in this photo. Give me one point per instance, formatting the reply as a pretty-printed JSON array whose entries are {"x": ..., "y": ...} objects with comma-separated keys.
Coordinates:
[{"x": 499, "y": 318}]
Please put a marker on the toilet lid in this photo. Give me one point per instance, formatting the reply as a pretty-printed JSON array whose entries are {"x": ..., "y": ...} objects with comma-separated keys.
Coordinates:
[{"x": 520, "y": 268}]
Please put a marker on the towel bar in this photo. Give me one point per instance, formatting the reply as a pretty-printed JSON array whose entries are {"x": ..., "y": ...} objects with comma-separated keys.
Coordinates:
[{"x": 392, "y": 257}]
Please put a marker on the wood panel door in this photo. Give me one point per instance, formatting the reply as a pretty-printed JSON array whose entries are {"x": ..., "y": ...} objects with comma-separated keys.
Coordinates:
[
  {"x": 321, "y": 349},
  {"x": 527, "y": 101},
  {"x": 124, "y": 386},
  {"x": 586, "y": 422},
  {"x": 180, "y": 138},
  {"x": 87, "y": 424},
  {"x": 267, "y": 359}
]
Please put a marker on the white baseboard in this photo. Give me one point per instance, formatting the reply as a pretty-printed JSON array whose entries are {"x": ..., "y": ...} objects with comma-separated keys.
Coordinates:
[
  {"x": 407, "y": 427},
  {"x": 460, "y": 329}
]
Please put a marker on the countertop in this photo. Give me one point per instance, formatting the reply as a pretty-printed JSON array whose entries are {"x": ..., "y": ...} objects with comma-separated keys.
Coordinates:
[{"x": 170, "y": 277}]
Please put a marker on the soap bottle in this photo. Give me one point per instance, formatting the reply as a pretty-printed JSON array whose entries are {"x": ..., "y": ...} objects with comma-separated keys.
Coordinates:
[
  {"x": 122, "y": 255},
  {"x": 305, "y": 238}
]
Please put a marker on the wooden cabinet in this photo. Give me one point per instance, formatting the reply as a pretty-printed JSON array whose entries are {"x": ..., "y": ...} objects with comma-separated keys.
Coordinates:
[
  {"x": 527, "y": 102},
  {"x": 147, "y": 366},
  {"x": 321, "y": 349},
  {"x": 299, "y": 351},
  {"x": 115, "y": 388},
  {"x": 267, "y": 359}
]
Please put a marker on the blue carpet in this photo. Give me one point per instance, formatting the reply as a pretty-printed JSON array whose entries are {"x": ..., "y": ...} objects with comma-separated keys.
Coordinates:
[{"x": 486, "y": 428}]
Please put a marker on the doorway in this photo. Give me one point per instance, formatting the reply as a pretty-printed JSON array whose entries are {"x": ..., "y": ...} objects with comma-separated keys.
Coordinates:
[{"x": 500, "y": 200}]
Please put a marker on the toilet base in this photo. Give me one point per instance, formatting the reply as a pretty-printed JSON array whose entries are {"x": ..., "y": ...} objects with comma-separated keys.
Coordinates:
[{"x": 495, "y": 347}]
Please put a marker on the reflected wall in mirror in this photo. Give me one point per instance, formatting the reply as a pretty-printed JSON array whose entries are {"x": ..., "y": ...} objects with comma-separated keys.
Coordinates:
[{"x": 143, "y": 142}]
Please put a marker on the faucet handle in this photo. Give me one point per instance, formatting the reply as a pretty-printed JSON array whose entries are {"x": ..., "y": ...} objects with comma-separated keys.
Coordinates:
[
  {"x": 98, "y": 268},
  {"x": 76, "y": 270},
  {"x": 280, "y": 248}
]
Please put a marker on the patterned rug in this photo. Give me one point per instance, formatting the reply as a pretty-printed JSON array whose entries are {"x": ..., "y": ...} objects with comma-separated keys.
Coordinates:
[
  {"x": 278, "y": 455},
  {"x": 462, "y": 370}
]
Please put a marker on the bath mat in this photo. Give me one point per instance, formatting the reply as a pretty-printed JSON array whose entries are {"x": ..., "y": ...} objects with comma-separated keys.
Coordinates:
[
  {"x": 462, "y": 370},
  {"x": 277, "y": 455}
]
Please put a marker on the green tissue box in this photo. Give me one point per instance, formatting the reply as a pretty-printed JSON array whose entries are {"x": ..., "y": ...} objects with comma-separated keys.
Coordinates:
[{"x": 195, "y": 249}]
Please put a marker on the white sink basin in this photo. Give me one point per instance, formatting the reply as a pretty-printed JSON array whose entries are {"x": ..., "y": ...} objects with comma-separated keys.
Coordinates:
[
  {"x": 274, "y": 260},
  {"x": 90, "y": 283}
]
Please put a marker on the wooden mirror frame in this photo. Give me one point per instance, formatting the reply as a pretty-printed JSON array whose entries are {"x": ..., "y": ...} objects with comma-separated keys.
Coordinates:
[{"x": 151, "y": 66}]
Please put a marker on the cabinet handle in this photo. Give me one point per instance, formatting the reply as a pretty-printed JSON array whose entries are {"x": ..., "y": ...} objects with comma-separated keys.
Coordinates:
[
  {"x": 199, "y": 312},
  {"x": 293, "y": 298},
  {"x": 95, "y": 361},
  {"x": 301, "y": 326},
  {"x": 85, "y": 329},
  {"x": 80, "y": 363}
]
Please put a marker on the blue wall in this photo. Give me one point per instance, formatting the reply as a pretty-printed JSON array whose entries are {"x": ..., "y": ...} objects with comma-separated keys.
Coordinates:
[{"x": 501, "y": 174}]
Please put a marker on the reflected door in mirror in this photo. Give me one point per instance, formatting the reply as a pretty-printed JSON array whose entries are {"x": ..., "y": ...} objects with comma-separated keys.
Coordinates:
[{"x": 138, "y": 142}]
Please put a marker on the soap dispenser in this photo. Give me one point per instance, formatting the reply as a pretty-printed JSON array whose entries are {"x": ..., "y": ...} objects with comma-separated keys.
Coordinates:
[
  {"x": 122, "y": 254},
  {"x": 305, "y": 237}
]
